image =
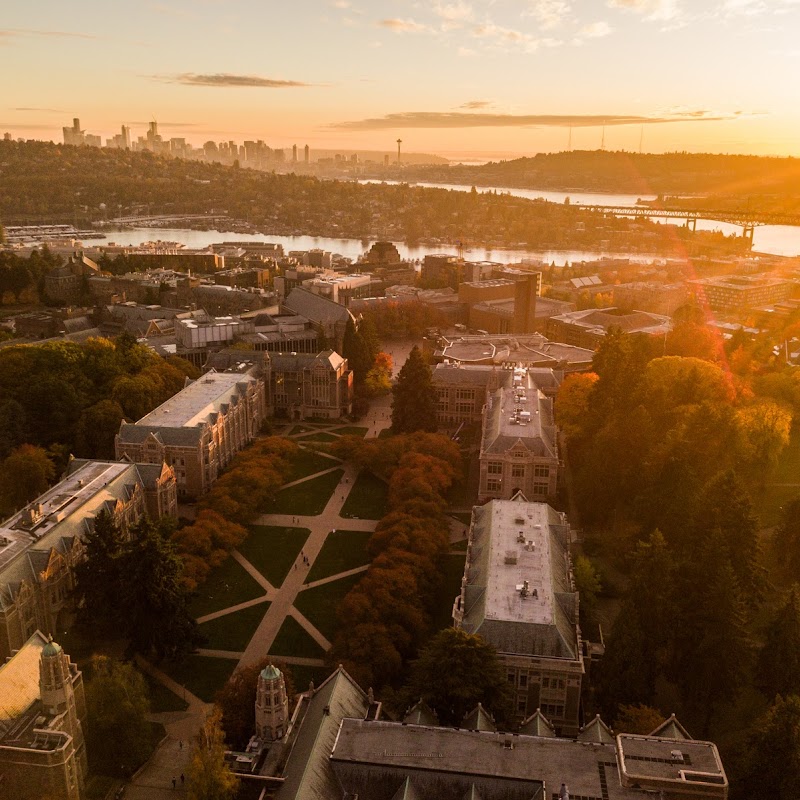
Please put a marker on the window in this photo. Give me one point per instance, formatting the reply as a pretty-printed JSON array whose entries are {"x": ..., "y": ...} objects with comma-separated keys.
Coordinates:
[
  {"x": 520, "y": 705},
  {"x": 519, "y": 454},
  {"x": 512, "y": 677},
  {"x": 517, "y": 470},
  {"x": 545, "y": 683},
  {"x": 465, "y": 394},
  {"x": 495, "y": 468},
  {"x": 540, "y": 488},
  {"x": 541, "y": 471},
  {"x": 523, "y": 681},
  {"x": 493, "y": 485}
]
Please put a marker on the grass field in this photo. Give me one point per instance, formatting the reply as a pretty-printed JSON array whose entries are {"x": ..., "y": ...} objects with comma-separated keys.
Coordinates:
[
  {"x": 272, "y": 550},
  {"x": 306, "y": 463},
  {"x": 309, "y": 497},
  {"x": 233, "y": 631},
  {"x": 228, "y": 585},
  {"x": 319, "y": 436},
  {"x": 352, "y": 430},
  {"x": 319, "y": 605},
  {"x": 302, "y": 675},
  {"x": 367, "y": 498},
  {"x": 293, "y": 640},
  {"x": 161, "y": 698},
  {"x": 342, "y": 550},
  {"x": 201, "y": 675}
]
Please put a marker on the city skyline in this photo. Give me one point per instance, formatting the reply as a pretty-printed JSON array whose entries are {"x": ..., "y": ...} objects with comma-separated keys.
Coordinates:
[{"x": 461, "y": 79}]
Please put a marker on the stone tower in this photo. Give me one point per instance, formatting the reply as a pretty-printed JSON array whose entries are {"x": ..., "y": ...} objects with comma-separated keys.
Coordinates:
[
  {"x": 272, "y": 705},
  {"x": 61, "y": 692}
]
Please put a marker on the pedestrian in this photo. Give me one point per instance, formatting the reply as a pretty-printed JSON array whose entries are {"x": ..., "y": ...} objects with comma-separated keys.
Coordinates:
[
  {"x": 174, "y": 782},
  {"x": 180, "y": 743},
  {"x": 182, "y": 779}
]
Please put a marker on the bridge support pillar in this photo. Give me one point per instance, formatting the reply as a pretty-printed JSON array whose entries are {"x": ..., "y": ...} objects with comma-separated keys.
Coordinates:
[
  {"x": 747, "y": 232},
  {"x": 692, "y": 223}
]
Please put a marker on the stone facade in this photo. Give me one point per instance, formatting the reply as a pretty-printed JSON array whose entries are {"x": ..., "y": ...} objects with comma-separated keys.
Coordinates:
[
  {"x": 200, "y": 429},
  {"x": 42, "y": 719},
  {"x": 40, "y": 545}
]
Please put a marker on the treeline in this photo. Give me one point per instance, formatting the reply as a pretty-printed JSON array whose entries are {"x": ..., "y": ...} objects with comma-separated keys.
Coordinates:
[
  {"x": 241, "y": 493},
  {"x": 631, "y": 173},
  {"x": 39, "y": 181},
  {"x": 644, "y": 432},
  {"x": 69, "y": 399},
  {"x": 395, "y": 320},
  {"x": 22, "y": 278},
  {"x": 387, "y": 616}
]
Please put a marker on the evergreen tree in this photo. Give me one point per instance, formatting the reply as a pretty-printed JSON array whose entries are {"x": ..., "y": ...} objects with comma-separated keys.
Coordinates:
[
  {"x": 208, "y": 776},
  {"x": 414, "y": 404},
  {"x": 773, "y": 755},
  {"x": 357, "y": 353},
  {"x": 156, "y": 618},
  {"x": 779, "y": 659},
  {"x": 787, "y": 539},
  {"x": 99, "y": 575}
]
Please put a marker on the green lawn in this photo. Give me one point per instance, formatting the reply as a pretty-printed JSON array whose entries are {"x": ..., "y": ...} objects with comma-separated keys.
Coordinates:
[
  {"x": 201, "y": 675},
  {"x": 161, "y": 698},
  {"x": 309, "y": 497},
  {"x": 342, "y": 550},
  {"x": 319, "y": 436},
  {"x": 452, "y": 572},
  {"x": 460, "y": 546},
  {"x": 294, "y": 640},
  {"x": 308, "y": 462},
  {"x": 352, "y": 430},
  {"x": 319, "y": 605},
  {"x": 302, "y": 675},
  {"x": 227, "y": 585},
  {"x": 233, "y": 631},
  {"x": 385, "y": 433},
  {"x": 367, "y": 498},
  {"x": 272, "y": 550},
  {"x": 300, "y": 429}
]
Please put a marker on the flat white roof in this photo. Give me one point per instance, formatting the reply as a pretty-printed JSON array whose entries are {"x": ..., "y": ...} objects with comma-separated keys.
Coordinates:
[
  {"x": 191, "y": 406},
  {"x": 505, "y": 597}
]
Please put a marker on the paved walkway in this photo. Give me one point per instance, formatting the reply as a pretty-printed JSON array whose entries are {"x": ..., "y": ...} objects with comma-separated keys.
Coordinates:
[{"x": 154, "y": 780}]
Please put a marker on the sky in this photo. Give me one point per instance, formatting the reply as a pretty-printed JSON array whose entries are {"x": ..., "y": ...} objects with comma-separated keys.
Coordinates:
[{"x": 461, "y": 78}]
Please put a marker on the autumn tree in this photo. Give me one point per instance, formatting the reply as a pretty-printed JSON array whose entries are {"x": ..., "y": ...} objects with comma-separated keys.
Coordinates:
[
  {"x": 637, "y": 719},
  {"x": 208, "y": 777},
  {"x": 379, "y": 377},
  {"x": 97, "y": 427},
  {"x": 414, "y": 404},
  {"x": 454, "y": 672},
  {"x": 25, "y": 474},
  {"x": 118, "y": 706}
]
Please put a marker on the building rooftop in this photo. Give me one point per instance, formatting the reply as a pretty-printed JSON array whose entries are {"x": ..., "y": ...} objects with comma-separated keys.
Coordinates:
[
  {"x": 19, "y": 681},
  {"x": 601, "y": 319},
  {"x": 315, "y": 307},
  {"x": 198, "y": 401},
  {"x": 503, "y": 348},
  {"x": 518, "y": 593}
]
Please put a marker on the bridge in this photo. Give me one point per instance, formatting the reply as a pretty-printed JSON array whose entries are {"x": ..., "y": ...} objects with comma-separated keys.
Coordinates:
[
  {"x": 748, "y": 220},
  {"x": 166, "y": 219}
]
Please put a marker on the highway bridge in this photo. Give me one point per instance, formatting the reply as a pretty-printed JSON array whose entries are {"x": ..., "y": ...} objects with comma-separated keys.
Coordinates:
[
  {"x": 748, "y": 220},
  {"x": 166, "y": 219}
]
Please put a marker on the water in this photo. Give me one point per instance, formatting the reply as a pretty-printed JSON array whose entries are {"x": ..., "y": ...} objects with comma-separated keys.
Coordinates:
[
  {"x": 353, "y": 248},
  {"x": 781, "y": 240}
]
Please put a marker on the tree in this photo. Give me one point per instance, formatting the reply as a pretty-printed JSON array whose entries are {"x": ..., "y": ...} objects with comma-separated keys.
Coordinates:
[
  {"x": 454, "y": 672},
  {"x": 779, "y": 660},
  {"x": 25, "y": 474},
  {"x": 357, "y": 353},
  {"x": 572, "y": 403},
  {"x": 773, "y": 753},
  {"x": 587, "y": 582},
  {"x": 97, "y": 427},
  {"x": 414, "y": 404},
  {"x": 379, "y": 378},
  {"x": 153, "y": 600},
  {"x": 637, "y": 719},
  {"x": 118, "y": 704},
  {"x": 764, "y": 428},
  {"x": 208, "y": 777},
  {"x": 787, "y": 539},
  {"x": 236, "y": 700},
  {"x": 98, "y": 575}
]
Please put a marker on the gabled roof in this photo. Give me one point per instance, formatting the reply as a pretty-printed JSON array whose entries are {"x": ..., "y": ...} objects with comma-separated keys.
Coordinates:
[
  {"x": 407, "y": 791},
  {"x": 473, "y": 794},
  {"x": 19, "y": 680},
  {"x": 421, "y": 714},
  {"x": 308, "y": 773},
  {"x": 538, "y": 725},
  {"x": 596, "y": 731},
  {"x": 671, "y": 728},
  {"x": 479, "y": 719},
  {"x": 315, "y": 307}
]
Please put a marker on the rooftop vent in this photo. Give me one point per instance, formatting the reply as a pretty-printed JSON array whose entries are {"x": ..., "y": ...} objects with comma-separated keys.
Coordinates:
[
  {"x": 676, "y": 756},
  {"x": 511, "y": 557}
]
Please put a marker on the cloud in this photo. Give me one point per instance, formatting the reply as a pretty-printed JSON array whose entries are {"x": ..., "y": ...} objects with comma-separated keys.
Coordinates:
[
  {"x": 343, "y": 4},
  {"x": 228, "y": 80},
  {"x": 659, "y": 10},
  {"x": 457, "y": 119},
  {"x": 549, "y": 13},
  {"x": 453, "y": 15},
  {"x": 595, "y": 30},
  {"x": 11, "y": 33},
  {"x": 403, "y": 25},
  {"x": 473, "y": 105},
  {"x": 42, "y": 110}
]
